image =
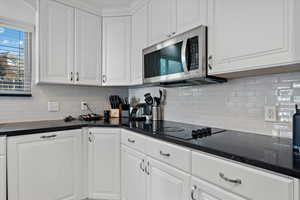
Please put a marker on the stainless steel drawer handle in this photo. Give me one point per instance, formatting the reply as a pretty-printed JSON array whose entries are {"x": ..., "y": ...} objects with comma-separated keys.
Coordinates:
[
  {"x": 48, "y": 136},
  {"x": 235, "y": 181},
  {"x": 130, "y": 140},
  {"x": 164, "y": 154},
  {"x": 142, "y": 165},
  {"x": 194, "y": 188}
]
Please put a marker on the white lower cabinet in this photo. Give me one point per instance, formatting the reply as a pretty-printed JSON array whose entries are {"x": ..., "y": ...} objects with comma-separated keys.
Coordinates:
[
  {"x": 144, "y": 178},
  {"x": 45, "y": 166},
  {"x": 2, "y": 168},
  {"x": 165, "y": 182},
  {"x": 202, "y": 190},
  {"x": 104, "y": 157},
  {"x": 133, "y": 174},
  {"x": 246, "y": 181}
]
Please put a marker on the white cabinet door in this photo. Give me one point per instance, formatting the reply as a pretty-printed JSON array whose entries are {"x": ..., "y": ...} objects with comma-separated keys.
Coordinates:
[
  {"x": 162, "y": 20},
  {"x": 56, "y": 42},
  {"x": 88, "y": 43},
  {"x": 243, "y": 37},
  {"x": 166, "y": 183},
  {"x": 104, "y": 164},
  {"x": 191, "y": 13},
  {"x": 45, "y": 166},
  {"x": 202, "y": 190},
  {"x": 133, "y": 175},
  {"x": 2, "y": 177},
  {"x": 116, "y": 51},
  {"x": 139, "y": 42}
]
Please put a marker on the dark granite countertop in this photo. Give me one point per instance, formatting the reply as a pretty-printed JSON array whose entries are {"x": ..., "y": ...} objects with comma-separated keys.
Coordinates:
[{"x": 271, "y": 153}]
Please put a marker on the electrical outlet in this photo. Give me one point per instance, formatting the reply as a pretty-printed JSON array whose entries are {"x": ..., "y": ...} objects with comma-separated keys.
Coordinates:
[
  {"x": 53, "y": 106},
  {"x": 83, "y": 106},
  {"x": 270, "y": 113}
]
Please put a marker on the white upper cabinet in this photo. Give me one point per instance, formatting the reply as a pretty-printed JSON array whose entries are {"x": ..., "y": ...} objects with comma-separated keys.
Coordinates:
[
  {"x": 170, "y": 17},
  {"x": 162, "y": 20},
  {"x": 88, "y": 49},
  {"x": 69, "y": 45},
  {"x": 116, "y": 51},
  {"x": 247, "y": 35},
  {"x": 56, "y": 42},
  {"x": 45, "y": 166},
  {"x": 191, "y": 13},
  {"x": 104, "y": 160},
  {"x": 139, "y": 42}
]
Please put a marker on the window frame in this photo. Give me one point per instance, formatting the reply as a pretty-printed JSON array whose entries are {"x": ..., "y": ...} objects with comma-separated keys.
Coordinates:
[{"x": 28, "y": 29}]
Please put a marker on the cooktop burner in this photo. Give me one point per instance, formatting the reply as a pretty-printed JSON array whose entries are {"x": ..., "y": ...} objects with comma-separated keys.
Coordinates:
[{"x": 186, "y": 132}]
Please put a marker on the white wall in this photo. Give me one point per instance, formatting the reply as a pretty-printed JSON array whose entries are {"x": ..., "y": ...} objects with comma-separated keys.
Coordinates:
[
  {"x": 35, "y": 108},
  {"x": 17, "y": 10},
  {"x": 238, "y": 104}
]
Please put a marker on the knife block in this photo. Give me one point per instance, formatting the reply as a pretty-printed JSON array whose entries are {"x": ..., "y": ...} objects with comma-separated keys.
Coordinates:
[{"x": 114, "y": 113}]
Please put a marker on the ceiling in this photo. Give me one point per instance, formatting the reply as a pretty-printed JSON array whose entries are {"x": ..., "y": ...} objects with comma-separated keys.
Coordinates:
[
  {"x": 97, "y": 4},
  {"x": 109, "y": 3}
]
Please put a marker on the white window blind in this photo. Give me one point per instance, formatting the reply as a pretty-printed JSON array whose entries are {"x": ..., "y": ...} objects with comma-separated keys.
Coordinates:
[{"x": 15, "y": 61}]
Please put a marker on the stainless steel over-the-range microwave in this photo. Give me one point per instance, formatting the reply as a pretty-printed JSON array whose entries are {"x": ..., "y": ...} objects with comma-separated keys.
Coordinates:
[{"x": 179, "y": 60}]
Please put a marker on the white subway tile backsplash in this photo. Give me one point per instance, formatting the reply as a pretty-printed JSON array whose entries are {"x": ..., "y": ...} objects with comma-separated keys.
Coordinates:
[
  {"x": 238, "y": 104},
  {"x": 15, "y": 109}
]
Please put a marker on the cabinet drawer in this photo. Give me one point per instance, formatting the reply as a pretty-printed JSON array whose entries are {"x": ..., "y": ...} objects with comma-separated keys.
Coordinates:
[
  {"x": 171, "y": 154},
  {"x": 133, "y": 140},
  {"x": 2, "y": 145},
  {"x": 246, "y": 181}
]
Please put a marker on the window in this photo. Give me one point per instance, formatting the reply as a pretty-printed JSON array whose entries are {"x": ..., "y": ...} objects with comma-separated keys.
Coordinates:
[{"x": 15, "y": 61}]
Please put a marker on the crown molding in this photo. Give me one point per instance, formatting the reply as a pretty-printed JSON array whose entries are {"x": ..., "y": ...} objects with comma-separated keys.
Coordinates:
[
  {"x": 124, "y": 11},
  {"x": 73, "y": 3},
  {"x": 135, "y": 6}
]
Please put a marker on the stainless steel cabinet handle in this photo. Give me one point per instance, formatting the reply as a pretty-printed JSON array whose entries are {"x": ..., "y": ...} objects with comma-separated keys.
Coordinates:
[
  {"x": 77, "y": 74},
  {"x": 173, "y": 33},
  {"x": 194, "y": 188},
  {"x": 104, "y": 78},
  {"x": 142, "y": 165},
  {"x": 235, "y": 181},
  {"x": 209, "y": 62},
  {"x": 147, "y": 168},
  {"x": 48, "y": 136},
  {"x": 91, "y": 137},
  {"x": 164, "y": 154},
  {"x": 130, "y": 140},
  {"x": 72, "y": 76}
]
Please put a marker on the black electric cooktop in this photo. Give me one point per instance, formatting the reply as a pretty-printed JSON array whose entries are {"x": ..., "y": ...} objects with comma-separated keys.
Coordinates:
[{"x": 177, "y": 130}]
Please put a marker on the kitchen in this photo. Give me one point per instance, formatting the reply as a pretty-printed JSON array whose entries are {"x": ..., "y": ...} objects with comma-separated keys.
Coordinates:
[{"x": 149, "y": 99}]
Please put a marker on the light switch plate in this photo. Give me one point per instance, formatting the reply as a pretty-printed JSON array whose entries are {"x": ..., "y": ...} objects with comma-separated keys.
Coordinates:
[
  {"x": 53, "y": 106},
  {"x": 270, "y": 113}
]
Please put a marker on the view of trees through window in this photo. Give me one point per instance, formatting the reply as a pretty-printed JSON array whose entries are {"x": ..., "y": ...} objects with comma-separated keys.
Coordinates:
[{"x": 12, "y": 60}]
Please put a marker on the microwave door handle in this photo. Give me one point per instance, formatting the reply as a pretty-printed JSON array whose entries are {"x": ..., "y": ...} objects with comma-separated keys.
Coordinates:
[{"x": 183, "y": 56}]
